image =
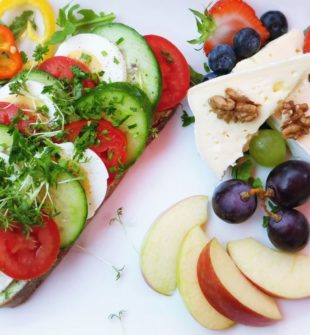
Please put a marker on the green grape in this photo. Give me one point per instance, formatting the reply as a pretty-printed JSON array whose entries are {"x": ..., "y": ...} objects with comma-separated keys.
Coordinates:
[{"x": 268, "y": 148}]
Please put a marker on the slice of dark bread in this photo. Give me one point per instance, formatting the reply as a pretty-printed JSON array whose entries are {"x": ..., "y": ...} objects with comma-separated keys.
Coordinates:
[{"x": 160, "y": 120}]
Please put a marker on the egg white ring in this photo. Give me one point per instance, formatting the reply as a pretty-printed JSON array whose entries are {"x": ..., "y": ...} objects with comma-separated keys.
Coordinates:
[
  {"x": 113, "y": 63},
  {"x": 96, "y": 173},
  {"x": 34, "y": 89}
]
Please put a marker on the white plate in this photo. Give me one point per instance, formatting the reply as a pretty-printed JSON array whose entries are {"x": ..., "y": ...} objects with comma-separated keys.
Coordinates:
[{"x": 81, "y": 293}]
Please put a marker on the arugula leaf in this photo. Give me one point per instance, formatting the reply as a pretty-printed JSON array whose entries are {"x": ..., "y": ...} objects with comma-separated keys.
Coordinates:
[
  {"x": 19, "y": 24},
  {"x": 196, "y": 77},
  {"x": 243, "y": 171},
  {"x": 186, "y": 119},
  {"x": 74, "y": 21}
]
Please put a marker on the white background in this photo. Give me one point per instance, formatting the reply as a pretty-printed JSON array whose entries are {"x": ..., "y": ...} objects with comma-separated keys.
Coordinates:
[{"x": 79, "y": 295}]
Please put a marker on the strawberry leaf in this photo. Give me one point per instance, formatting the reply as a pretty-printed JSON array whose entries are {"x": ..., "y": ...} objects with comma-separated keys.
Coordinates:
[{"x": 206, "y": 26}]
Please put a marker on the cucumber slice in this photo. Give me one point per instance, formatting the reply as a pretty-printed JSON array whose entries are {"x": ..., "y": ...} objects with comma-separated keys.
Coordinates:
[
  {"x": 127, "y": 108},
  {"x": 39, "y": 76},
  {"x": 6, "y": 140},
  {"x": 142, "y": 66},
  {"x": 70, "y": 200}
]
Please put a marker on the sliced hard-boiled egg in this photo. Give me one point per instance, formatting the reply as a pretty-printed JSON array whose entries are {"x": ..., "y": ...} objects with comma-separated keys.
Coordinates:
[
  {"x": 31, "y": 99},
  {"x": 98, "y": 54},
  {"x": 95, "y": 183}
]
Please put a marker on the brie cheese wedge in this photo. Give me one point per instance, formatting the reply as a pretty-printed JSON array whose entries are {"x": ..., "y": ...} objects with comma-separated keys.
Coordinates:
[
  {"x": 285, "y": 47},
  {"x": 282, "y": 48},
  {"x": 221, "y": 143}
]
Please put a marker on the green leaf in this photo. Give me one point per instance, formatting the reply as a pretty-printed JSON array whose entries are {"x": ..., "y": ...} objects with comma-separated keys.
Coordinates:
[
  {"x": 196, "y": 77},
  {"x": 257, "y": 183},
  {"x": 266, "y": 221},
  {"x": 274, "y": 208},
  {"x": 19, "y": 24},
  {"x": 74, "y": 21},
  {"x": 24, "y": 57},
  {"x": 206, "y": 26},
  {"x": 243, "y": 171},
  {"x": 39, "y": 52},
  {"x": 186, "y": 119},
  {"x": 206, "y": 67}
]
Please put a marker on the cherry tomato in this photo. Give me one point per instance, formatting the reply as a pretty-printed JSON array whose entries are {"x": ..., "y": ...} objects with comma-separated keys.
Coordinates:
[
  {"x": 8, "y": 111},
  {"x": 112, "y": 146},
  {"x": 174, "y": 70},
  {"x": 25, "y": 258},
  {"x": 10, "y": 59},
  {"x": 60, "y": 68}
]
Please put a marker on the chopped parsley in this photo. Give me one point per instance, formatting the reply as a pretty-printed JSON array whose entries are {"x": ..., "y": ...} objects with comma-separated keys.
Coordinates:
[
  {"x": 115, "y": 60},
  {"x": 104, "y": 53},
  {"x": 186, "y": 119},
  {"x": 39, "y": 52},
  {"x": 24, "y": 57},
  {"x": 86, "y": 58},
  {"x": 167, "y": 56},
  {"x": 120, "y": 41}
]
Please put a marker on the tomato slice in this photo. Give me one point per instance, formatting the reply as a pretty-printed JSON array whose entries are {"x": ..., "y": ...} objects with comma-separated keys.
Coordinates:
[
  {"x": 25, "y": 258},
  {"x": 174, "y": 70},
  {"x": 60, "y": 68},
  {"x": 10, "y": 59},
  {"x": 8, "y": 111},
  {"x": 112, "y": 146}
]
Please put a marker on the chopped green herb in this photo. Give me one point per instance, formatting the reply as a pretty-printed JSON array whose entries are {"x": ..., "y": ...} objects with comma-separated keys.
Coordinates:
[
  {"x": 257, "y": 183},
  {"x": 115, "y": 60},
  {"x": 104, "y": 53},
  {"x": 167, "y": 56},
  {"x": 39, "y": 52},
  {"x": 86, "y": 138},
  {"x": 119, "y": 41},
  {"x": 118, "y": 316},
  {"x": 206, "y": 67},
  {"x": 186, "y": 119},
  {"x": 154, "y": 132},
  {"x": 132, "y": 126},
  {"x": 86, "y": 58}
]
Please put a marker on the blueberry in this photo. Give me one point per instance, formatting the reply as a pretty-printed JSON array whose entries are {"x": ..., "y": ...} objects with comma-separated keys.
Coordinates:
[
  {"x": 276, "y": 23},
  {"x": 222, "y": 59},
  {"x": 247, "y": 42},
  {"x": 209, "y": 76}
]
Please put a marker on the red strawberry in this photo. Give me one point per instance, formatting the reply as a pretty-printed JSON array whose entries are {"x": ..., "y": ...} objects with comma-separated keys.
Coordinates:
[
  {"x": 224, "y": 19},
  {"x": 307, "y": 42}
]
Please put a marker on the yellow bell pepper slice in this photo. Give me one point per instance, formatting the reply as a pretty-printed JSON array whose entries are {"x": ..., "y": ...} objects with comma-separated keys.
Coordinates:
[{"x": 43, "y": 7}]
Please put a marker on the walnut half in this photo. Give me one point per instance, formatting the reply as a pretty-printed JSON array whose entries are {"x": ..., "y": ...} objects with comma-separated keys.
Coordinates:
[
  {"x": 234, "y": 107},
  {"x": 295, "y": 122}
]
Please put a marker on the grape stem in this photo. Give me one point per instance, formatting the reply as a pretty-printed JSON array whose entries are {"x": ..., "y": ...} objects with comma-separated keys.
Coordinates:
[{"x": 263, "y": 195}]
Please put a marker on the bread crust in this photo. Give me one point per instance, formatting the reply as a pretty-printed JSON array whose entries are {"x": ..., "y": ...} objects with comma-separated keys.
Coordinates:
[{"x": 159, "y": 122}]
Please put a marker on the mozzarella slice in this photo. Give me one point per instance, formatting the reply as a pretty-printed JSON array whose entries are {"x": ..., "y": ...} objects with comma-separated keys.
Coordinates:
[
  {"x": 102, "y": 55},
  {"x": 287, "y": 46},
  {"x": 31, "y": 100},
  {"x": 221, "y": 143},
  {"x": 97, "y": 175}
]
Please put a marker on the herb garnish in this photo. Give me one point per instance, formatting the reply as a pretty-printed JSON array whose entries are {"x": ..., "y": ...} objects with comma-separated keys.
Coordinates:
[
  {"x": 86, "y": 138},
  {"x": 196, "y": 77},
  {"x": 19, "y": 24},
  {"x": 73, "y": 20},
  {"x": 86, "y": 58},
  {"x": 39, "y": 52},
  {"x": 167, "y": 56},
  {"x": 186, "y": 119}
]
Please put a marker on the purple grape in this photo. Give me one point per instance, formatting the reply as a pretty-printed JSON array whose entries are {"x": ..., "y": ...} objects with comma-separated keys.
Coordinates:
[
  {"x": 230, "y": 205},
  {"x": 291, "y": 233},
  {"x": 289, "y": 183}
]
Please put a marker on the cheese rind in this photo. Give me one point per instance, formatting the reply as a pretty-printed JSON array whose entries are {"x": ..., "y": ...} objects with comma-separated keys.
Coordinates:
[
  {"x": 221, "y": 143},
  {"x": 285, "y": 47}
]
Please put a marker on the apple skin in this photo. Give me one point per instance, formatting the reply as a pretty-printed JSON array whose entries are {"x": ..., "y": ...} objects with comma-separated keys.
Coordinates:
[
  {"x": 188, "y": 285},
  {"x": 221, "y": 299},
  {"x": 277, "y": 273}
]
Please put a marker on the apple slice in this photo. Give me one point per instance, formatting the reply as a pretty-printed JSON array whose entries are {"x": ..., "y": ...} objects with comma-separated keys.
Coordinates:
[
  {"x": 162, "y": 243},
  {"x": 228, "y": 291},
  {"x": 187, "y": 282},
  {"x": 275, "y": 272}
]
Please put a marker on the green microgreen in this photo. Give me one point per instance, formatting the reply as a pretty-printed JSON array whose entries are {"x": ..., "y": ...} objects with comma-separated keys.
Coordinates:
[{"x": 19, "y": 24}]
